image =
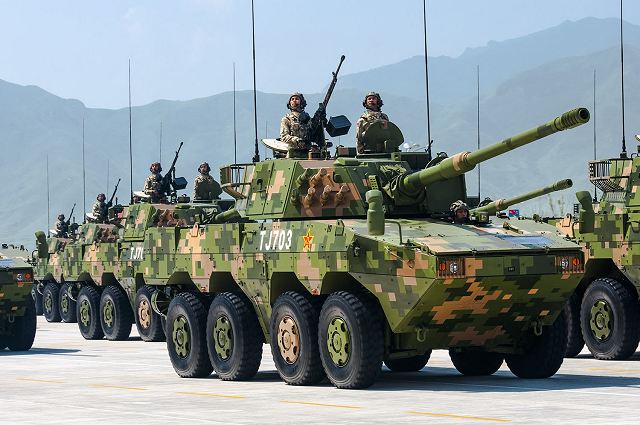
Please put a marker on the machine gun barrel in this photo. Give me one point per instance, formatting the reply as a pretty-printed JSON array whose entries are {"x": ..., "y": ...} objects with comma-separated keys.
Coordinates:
[
  {"x": 502, "y": 204},
  {"x": 71, "y": 214},
  {"x": 332, "y": 85},
  {"x": 466, "y": 161},
  {"x": 166, "y": 180},
  {"x": 115, "y": 190}
]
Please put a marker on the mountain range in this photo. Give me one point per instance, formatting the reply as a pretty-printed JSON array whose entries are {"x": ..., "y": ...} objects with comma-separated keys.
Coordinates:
[{"x": 523, "y": 82}]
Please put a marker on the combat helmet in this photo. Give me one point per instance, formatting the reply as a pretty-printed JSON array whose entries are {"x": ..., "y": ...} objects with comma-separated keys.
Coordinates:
[
  {"x": 372, "y": 93},
  {"x": 204, "y": 164},
  {"x": 458, "y": 205},
  {"x": 155, "y": 163},
  {"x": 303, "y": 102}
]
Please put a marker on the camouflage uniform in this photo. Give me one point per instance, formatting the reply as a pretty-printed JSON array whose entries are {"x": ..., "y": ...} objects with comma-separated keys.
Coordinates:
[
  {"x": 366, "y": 119},
  {"x": 204, "y": 186},
  {"x": 62, "y": 228},
  {"x": 99, "y": 211},
  {"x": 295, "y": 128},
  {"x": 152, "y": 187}
]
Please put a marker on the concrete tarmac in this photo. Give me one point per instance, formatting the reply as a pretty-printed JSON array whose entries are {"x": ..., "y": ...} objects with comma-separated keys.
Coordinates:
[{"x": 65, "y": 379}]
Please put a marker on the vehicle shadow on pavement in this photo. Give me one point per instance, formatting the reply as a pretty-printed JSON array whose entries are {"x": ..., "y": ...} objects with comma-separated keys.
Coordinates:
[
  {"x": 635, "y": 357},
  {"x": 448, "y": 379},
  {"x": 37, "y": 351}
]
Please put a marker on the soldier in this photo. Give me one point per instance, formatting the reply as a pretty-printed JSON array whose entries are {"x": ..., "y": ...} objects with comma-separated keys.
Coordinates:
[
  {"x": 153, "y": 184},
  {"x": 372, "y": 102},
  {"x": 460, "y": 212},
  {"x": 100, "y": 209},
  {"x": 295, "y": 128},
  {"x": 62, "y": 227},
  {"x": 205, "y": 188}
]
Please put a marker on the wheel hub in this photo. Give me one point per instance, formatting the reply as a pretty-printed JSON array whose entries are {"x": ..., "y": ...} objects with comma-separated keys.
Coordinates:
[
  {"x": 289, "y": 339},
  {"x": 107, "y": 311},
  {"x": 223, "y": 337},
  {"x": 339, "y": 341},
  {"x": 48, "y": 302},
  {"x": 601, "y": 322},
  {"x": 64, "y": 302},
  {"x": 180, "y": 336},
  {"x": 85, "y": 312},
  {"x": 144, "y": 314}
]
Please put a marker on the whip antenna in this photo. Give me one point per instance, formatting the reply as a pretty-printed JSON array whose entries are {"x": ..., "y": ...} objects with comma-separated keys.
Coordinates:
[
  {"x": 256, "y": 155},
  {"x": 623, "y": 154},
  {"x": 426, "y": 74},
  {"x": 130, "y": 143}
]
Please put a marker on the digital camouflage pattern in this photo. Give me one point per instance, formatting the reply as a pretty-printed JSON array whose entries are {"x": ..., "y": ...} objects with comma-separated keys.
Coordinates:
[
  {"x": 311, "y": 227},
  {"x": 295, "y": 130},
  {"x": 363, "y": 123},
  {"x": 205, "y": 188},
  {"x": 17, "y": 312},
  {"x": 609, "y": 231}
]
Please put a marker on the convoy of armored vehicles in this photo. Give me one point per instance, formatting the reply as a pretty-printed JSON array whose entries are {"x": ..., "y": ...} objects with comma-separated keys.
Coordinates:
[{"x": 339, "y": 263}]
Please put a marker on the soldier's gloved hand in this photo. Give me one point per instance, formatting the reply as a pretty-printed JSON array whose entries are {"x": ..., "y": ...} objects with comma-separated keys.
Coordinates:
[{"x": 322, "y": 112}]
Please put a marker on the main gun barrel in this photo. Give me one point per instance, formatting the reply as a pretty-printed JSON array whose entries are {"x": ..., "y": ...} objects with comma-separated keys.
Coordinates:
[
  {"x": 466, "y": 161},
  {"x": 502, "y": 204}
]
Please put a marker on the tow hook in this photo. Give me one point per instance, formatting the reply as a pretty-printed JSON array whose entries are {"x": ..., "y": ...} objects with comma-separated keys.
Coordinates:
[
  {"x": 421, "y": 333},
  {"x": 537, "y": 327}
]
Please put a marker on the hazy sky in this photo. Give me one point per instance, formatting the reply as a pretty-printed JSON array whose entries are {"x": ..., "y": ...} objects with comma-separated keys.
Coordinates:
[{"x": 184, "y": 49}]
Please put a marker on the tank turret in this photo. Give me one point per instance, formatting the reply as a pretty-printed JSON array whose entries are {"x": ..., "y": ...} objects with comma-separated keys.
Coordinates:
[
  {"x": 336, "y": 188},
  {"x": 502, "y": 204}
]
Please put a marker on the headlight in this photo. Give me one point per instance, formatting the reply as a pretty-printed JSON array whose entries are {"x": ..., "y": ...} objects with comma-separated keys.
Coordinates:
[
  {"x": 451, "y": 267},
  {"x": 570, "y": 263}
]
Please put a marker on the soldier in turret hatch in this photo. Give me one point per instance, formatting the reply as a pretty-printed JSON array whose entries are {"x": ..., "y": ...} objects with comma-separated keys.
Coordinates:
[
  {"x": 153, "y": 184},
  {"x": 100, "y": 209},
  {"x": 372, "y": 102},
  {"x": 205, "y": 188},
  {"x": 296, "y": 130},
  {"x": 62, "y": 227},
  {"x": 460, "y": 212}
]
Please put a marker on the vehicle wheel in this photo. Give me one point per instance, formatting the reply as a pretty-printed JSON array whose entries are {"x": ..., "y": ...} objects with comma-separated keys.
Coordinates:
[
  {"x": 3, "y": 342},
  {"x": 116, "y": 316},
  {"x": 37, "y": 299},
  {"x": 234, "y": 338},
  {"x": 186, "y": 340},
  {"x": 50, "y": 302},
  {"x": 575, "y": 342},
  {"x": 408, "y": 364},
  {"x": 545, "y": 354},
  {"x": 88, "y": 313},
  {"x": 67, "y": 304},
  {"x": 350, "y": 338},
  {"x": 148, "y": 322},
  {"x": 609, "y": 319},
  {"x": 23, "y": 329},
  {"x": 475, "y": 362},
  {"x": 294, "y": 339}
]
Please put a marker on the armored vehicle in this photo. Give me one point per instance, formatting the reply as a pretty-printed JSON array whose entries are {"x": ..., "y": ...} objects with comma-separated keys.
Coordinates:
[
  {"x": 343, "y": 263},
  {"x": 17, "y": 309},
  {"x": 604, "y": 312}
]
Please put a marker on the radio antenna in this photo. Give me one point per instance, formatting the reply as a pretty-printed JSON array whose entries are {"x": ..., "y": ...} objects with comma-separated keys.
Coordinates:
[
  {"x": 256, "y": 155},
  {"x": 478, "y": 121},
  {"x": 84, "y": 183},
  {"x": 48, "y": 198},
  {"x": 623, "y": 154},
  {"x": 130, "y": 142},
  {"x": 426, "y": 74},
  {"x": 235, "y": 137},
  {"x": 595, "y": 189},
  {"x": 160, "y": 142}
]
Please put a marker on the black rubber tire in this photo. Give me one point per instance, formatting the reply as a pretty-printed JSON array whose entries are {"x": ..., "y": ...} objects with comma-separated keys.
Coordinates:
[
  {"x": 307, "y": 367},
  {"x": 475, "y": 362},
  {"x": 37, "y": 299},
  {"x": 196, "y": 363},
  {"x": 363, "y": 319},
  {"x": 545, "y": 353},
  {"x": 51, "y": 303},
  {"x": 23, "y": 329},
  {"x": 575, "y": 342},
  {"x": 92, "y": 329},
  {"x": 625, "y": 310},
  {"x": 154, "y": 331},
  {"x": 245, "y": 356},
  {"x": 408, "y": 364},
  {"x": 120, "y": 329},
  {"x": 3, "y": 342},
  {"x": 70, "y": 315}
]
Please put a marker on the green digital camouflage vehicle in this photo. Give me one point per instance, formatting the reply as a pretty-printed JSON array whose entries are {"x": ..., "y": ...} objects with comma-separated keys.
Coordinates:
[
  {"x": 93, "y": 277},
  {"x": 604, "y": 312},
  {"x": 17, "y": 309},
  {"x": 340, "y": 264}
]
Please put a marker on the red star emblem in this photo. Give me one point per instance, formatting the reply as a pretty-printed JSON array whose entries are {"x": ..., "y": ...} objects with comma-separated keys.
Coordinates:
[{"x": 308, "y": 238}]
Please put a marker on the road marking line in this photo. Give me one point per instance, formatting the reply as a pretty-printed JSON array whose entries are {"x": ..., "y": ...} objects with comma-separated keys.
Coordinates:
[
  {"x": 117, "y": 387},
  {"x": 449, "y": 415},
  {"x": 320, "y": 404},
  {"x": 606, "y": 369},
  {"x": 210, "y": 394},
  {"x": 40, "y": 380}
]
